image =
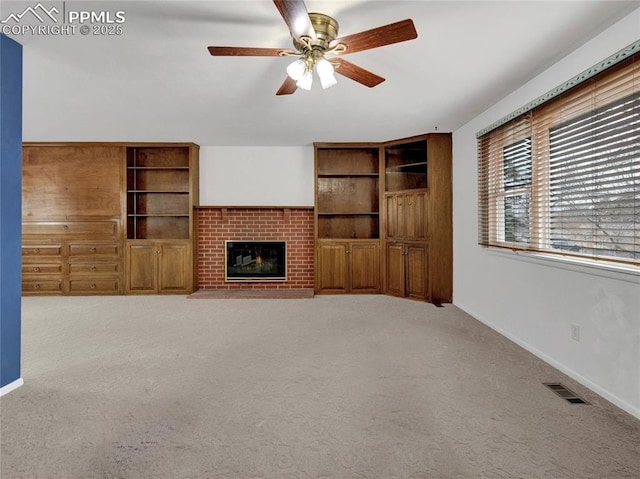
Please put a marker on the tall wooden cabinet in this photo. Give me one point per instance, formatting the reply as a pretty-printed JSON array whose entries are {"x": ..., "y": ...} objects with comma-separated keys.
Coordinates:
[
  {"x": 384, "y": 217},
  {"x": 162, "y": 190},
  {"x": 85, "y": 204},
  {"x": 418, "y": 226},
  {"x": 347, "y": 218}
]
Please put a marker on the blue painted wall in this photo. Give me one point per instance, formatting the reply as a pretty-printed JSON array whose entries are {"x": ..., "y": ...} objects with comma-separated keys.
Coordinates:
[{"x": 10, "y": 207}]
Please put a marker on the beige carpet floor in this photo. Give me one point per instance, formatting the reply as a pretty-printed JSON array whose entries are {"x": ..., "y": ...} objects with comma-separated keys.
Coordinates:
[{"x": 330, "y": 387}]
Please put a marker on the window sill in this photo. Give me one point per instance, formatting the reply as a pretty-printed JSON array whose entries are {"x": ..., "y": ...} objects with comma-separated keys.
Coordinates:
[{"x": 621, "y": 272}]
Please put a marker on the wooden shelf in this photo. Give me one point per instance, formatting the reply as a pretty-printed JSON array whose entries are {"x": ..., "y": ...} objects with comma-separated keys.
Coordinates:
[
  {"x": 161, "y": 192},
  {"x": 158, "y": 227},
  {"x": 157, "y": 168},
  {"x": 350, "y": 213},
  {"x": 347, "y": 161},
  {"x": 158, "y": 193},
  {"x": 347, "y": 191},
  {"x": 348, "y": 175},
  {"x": 406, "y": 166},
  {"x": 349, "y": 227},
  {"x": 168, "y": 215}
]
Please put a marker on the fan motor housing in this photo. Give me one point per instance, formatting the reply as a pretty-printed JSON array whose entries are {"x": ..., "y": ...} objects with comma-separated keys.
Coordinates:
[{"x": 326, "y": 29}]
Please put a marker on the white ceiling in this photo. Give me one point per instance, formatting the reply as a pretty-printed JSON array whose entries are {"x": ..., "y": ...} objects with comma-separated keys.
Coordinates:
[{"x": 157, "y": 81}]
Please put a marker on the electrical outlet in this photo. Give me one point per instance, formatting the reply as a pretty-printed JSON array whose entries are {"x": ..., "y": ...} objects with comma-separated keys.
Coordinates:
[{"x": 575, "y": 332}]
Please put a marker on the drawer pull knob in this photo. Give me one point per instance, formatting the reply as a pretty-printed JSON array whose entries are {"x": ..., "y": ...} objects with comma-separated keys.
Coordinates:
[
  {"x": 36, "y": 250},
  {"x": 93, "y": 250},
  {"x": 66, "y": 227},
  {"x": 93, "y": 268},
  {"x": 36, "y": 286},
  {"x": 93, "y": 285},
  {"x": 37, "y": 268}
]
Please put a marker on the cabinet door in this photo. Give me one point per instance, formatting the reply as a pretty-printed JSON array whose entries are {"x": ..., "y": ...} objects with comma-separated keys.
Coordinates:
[
  {"x": 395, "y": 269},
  {"x": 142, "y": 268},
  {"x": 401, "y": 215},
  {"x": 332, "y": 268},
  {"x": 392, "y": 216},
  {"x": 174, "y": 273},
  {"x": 415, "y": 211},
  {"x": 416, "y": 271},
  {"x": 364, "y": 267}
]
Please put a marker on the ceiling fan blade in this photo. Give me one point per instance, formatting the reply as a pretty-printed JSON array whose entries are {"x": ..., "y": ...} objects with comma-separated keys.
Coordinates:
[
  {"x": 288, "y": 87},
  {"x": 247, "y": 51},
  {"x": 295, "y": 15},
  {"x": 357, "y": 73},
  {"x": 378, "y": 37}
]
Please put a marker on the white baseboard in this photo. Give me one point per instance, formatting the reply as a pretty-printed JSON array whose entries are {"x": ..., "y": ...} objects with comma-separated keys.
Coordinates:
[
  {"x": 11, "y": 386},
  {"x": 625, "y": 406}
]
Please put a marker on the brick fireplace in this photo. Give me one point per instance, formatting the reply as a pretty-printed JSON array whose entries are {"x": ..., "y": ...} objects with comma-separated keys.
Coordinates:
[{"x": 215, "y": 225}]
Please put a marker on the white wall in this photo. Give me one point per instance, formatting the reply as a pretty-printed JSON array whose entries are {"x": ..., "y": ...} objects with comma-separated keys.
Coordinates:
[
  {"x": 535, "y": 303},
  {"x": 256, "y": 176}
]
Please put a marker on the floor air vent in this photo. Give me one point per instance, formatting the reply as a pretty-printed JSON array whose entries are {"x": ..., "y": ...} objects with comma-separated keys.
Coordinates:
[{"x": 566, "y": 394}]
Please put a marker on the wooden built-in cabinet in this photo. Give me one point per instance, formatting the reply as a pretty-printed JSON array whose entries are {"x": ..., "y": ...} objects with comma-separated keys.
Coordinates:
[
  {"x": 418, "y": 223},
  {"x": 161, "y": 193},
  {"x": 71, "y": 213},
  {"x": 158, "y": 267},
  {"x": 408, "y": 238},
  {"x": 347, "y": 218},
  {"x": 85, "y": 204},
  {"x": 348, "y": 266},
  {"x": 406, "y": 267}
]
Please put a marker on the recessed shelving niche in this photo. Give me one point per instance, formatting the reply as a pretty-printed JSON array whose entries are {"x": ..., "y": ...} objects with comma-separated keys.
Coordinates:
[{"x": 158, "y": 188}]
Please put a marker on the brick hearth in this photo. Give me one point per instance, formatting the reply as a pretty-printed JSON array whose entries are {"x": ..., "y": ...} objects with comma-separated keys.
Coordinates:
[{"x": 217, "y": 224}]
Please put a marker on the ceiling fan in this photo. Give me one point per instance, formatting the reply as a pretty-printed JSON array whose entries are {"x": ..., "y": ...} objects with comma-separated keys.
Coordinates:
[{"x": 315, "y": 36}]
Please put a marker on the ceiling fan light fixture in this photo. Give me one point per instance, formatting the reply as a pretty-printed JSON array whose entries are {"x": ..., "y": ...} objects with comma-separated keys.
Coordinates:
[
  {"x": 326, "y": 73},
  {"x": 304, "y": 83},
  {"x": 315, "y": 36},
  {"x": 297, "y": 69}
]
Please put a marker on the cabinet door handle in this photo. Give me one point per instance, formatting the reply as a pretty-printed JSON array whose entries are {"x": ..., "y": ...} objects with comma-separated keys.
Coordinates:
[
  {"x": 93, "y": 250},
  {"x": 36, "y": 250},
  {"x": 37, "y": 268},
  {"x": 93, "y": 285},
  {"x": 36, "y": 286},
  {"x": 93, "y": 268}
]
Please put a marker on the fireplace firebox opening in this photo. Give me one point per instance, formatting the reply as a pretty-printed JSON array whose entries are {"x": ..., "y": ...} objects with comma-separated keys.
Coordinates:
[{"x": 255, "y": 260}]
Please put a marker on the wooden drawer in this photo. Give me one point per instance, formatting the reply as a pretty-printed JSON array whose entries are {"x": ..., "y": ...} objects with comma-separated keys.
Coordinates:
[
  {"x": 97, "y": 249},
  {"x": 41, "y": 268},
  {"x": 45, "y": 286},
  {"x": 94, "y": 286},
  {"x": 106, "y": 227},
  {"x": 41, "y": 250},
  {"x": 94, "y": 268}
]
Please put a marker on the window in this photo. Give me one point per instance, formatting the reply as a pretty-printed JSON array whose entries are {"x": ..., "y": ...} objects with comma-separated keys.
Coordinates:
[
  {"x": 516, "y": 190},
  {"x": 564, "y": 177}
]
